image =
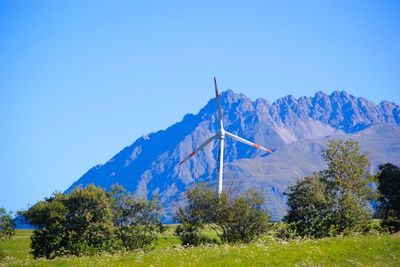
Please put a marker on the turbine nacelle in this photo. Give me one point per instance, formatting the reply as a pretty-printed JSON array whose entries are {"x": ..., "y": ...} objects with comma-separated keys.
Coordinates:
[{"x": 221, "y": 134}]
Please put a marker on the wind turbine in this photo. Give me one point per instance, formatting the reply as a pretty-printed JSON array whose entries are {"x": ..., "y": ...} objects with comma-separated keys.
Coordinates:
[{"x": 221, "y": 136}]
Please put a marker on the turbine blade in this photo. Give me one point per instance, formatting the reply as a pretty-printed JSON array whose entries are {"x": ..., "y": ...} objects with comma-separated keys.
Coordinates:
[
  {"x": 218, "y": 103},
  {"x": 240, "y": 139},
  {"x": 198, "y": 149}
]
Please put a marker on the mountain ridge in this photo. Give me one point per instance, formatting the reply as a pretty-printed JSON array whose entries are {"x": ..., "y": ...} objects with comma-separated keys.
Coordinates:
[{"x": 149, "y": 165}]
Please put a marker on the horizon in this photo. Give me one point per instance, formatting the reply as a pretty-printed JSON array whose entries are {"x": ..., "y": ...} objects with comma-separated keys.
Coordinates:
[{"x": 81, "y": 81}]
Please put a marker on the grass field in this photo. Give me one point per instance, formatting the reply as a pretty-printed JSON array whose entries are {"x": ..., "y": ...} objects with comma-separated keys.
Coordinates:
[{"x": 369, "y": 250}]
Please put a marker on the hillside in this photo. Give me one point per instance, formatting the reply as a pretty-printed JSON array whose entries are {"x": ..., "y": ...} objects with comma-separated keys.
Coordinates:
[{"x": 295, "y": 129}]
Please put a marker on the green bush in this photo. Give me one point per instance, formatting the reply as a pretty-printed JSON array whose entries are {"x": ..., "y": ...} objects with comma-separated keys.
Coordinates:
[
  {"x": 200, "y": 210},
  {"x": 7, "y": 226},
  {"x": 244, "y": 218},
  {"x": 89, "y": 221},
  {"x": 137, "y": 221},
  {"x": 309, "y": 213},
  {"x": 333, "y": 201},
  {"x": 391, "y": 221},
  {"x": 373, "y": 227},
  {"x": 389, "y": 197},
  {"x": 192, "y": 235},
  {"x": 79, "y": 223},
  {"x": 285, "y": 231},
  {"x": 234, "y": 220}
]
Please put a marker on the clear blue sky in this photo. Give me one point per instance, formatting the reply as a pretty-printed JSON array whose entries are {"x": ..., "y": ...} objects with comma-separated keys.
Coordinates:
[{"x": 80, "y": 80}]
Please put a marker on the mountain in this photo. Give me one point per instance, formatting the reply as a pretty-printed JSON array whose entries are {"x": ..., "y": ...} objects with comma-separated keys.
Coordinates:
[{"x": 295, "y": 129}]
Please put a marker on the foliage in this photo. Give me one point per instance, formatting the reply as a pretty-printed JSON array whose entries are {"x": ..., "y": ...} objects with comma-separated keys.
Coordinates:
[
  {"x": 137, "y": 222},
  {"x": 309, "y": 213},
  {"x": 201, "y": 208},
  {"x": 336, "y": 200},
  {"x": 285, "y": 231},
  {"x": 192, "y": 234},
  {"x": 73, "y": 224},
  {"x": 7, "y": 226},
  {"x": 243, "y": 218},
  {"x": 49, "y": 217},
  {"x": 234, "y": 220},
  {"x": 89, "y": 221},
  {"x": 374, "y": 227},
  {"x": 348, "y": 183},
  {"x": 389, "y": 198}
]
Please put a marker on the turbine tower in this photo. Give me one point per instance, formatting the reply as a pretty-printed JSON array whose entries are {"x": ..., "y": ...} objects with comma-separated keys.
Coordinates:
[{"x": 221, "y": 137}]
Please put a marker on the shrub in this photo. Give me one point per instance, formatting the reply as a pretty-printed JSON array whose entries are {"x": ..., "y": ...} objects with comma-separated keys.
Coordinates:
[
  {"x": 137, "y": 221},
  {"x": 285, "y": 231},
  {"x": 237, "y": 220},
  {"x": 49, "y": 216},
  {"x": 88, "y": 221},
  {"x": 200, "y": 210},
  {"x": 309, "y": 213},
  {"x": 333, "y": 201},
  {"x": 244, "y": 218},
  {"x": 389, "y": 198},
  {"x": 72, "y": 224},
  {"x": 192, "y": 235},
  {"x": 7, "y": 226},
  {"x": 373, "y": 227}
]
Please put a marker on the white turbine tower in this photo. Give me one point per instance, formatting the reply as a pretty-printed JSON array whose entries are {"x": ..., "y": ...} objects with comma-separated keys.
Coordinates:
[{"x": 221, "y": 136}]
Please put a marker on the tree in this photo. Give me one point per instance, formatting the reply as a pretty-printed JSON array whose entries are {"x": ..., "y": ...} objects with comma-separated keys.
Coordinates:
[
  {"x": 71, "y": 224},
  {"x": 7, "y": 226},
  {"x": 201, "y": 209},
  {"x": 235, "y": 220},
  {"x": 389, "y": 197},
  {"x": 243, "y": 218},
  {"x": 335, "y": 200},
  {"x": 137, "y": 221},
  {"x": 348, "y": 183},
  {"x": 310, "y": 207},
  {"x": 89, "y": 221},
  {"x": 50, "y": 238}
]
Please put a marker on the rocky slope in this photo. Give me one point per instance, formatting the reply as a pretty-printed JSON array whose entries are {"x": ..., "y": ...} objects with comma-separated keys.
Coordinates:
[{"x": 295, "y": 129}]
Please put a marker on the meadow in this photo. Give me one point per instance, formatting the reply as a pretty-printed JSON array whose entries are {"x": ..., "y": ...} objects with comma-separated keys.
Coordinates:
[{"x": 359, "y": 250}]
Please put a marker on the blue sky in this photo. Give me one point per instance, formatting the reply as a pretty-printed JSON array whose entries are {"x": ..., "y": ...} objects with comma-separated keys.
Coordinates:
[{"x": 80, "y": 80}]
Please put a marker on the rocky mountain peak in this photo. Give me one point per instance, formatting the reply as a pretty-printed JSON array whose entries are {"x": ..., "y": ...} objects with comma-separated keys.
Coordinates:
[{"x": 294, "y": 128}]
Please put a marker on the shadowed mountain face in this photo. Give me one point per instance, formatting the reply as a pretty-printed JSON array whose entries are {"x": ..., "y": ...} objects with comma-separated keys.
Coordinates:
[{"x": 295, "y": 129}]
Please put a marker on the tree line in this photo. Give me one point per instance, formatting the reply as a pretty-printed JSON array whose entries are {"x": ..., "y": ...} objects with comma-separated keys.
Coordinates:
[{"x": 331, "y": 202}]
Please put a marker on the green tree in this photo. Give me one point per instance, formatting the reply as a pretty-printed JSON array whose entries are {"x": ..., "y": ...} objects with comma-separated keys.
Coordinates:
[
  {"x": 310, "y": 207},
  {"x": 239, "y": 219},
  {"x": 137, "y": 221},
  {"x": 89, "y": 221},
  {"x": 201, "y": 209},
  {"x": 335, "y": 200},
  {"x": 50, "y": 238},
  {"x": 389, "y": 197},
  {"x": 7, "y": 225},
  {"x": 71, "y": 224},
  {"x": 243, "y": 218},
  {"x": 348, "y": 182}
]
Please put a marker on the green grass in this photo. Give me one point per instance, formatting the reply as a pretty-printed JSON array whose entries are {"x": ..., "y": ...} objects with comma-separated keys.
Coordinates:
[{"x": 369, "y": 250}]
